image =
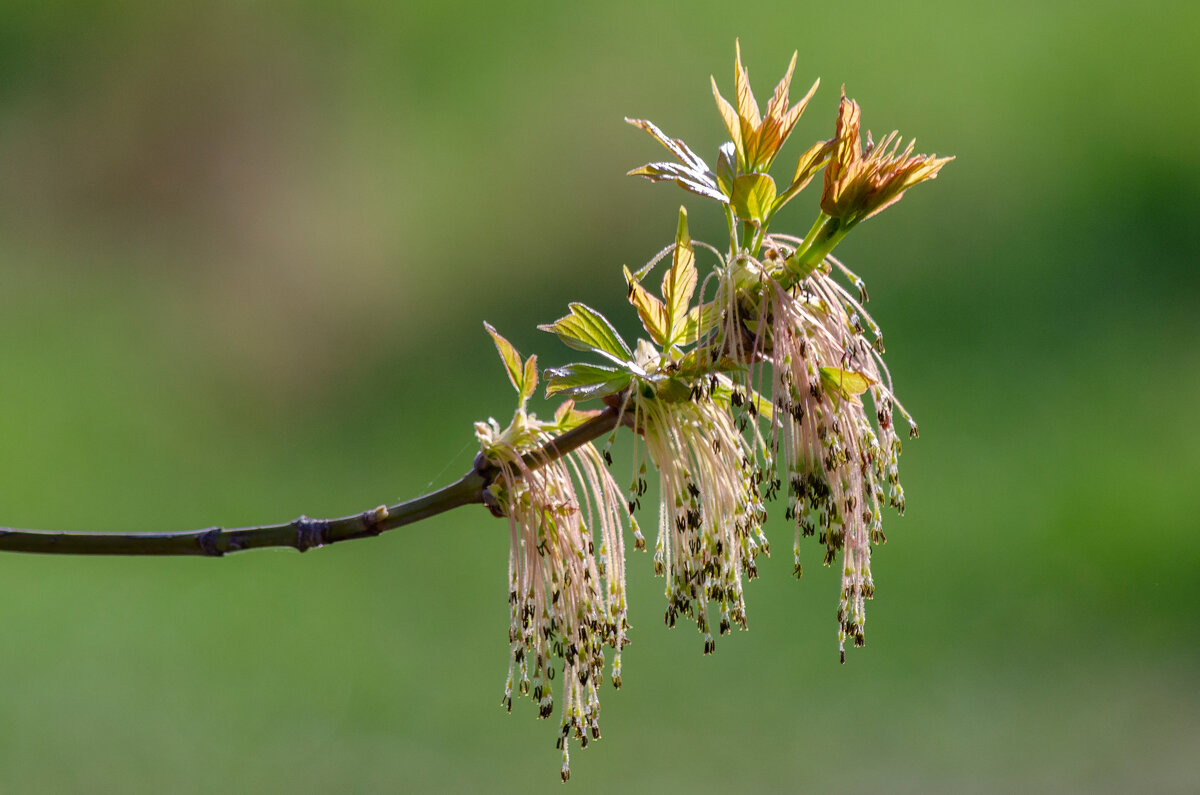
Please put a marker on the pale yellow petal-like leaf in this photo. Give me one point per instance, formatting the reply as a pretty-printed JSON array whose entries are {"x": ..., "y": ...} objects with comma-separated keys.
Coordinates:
[
  {"x": 779, "y": 100},
  {"x": 585, "y": 329},
  {"x": 846, "y": 383},
  {"x": 753, "y": 197},
  {"x": 807, "y": 167},
  {"x": 746, "y": 104},
  {"x": 650, "y": 309},
  {"x": 679, "y": 282},
  {"x": 583, "y": 381},
  {"x": 510, "y": 357},
  {"x": 566, "y": 416},
  {"x": 701, "y": 320},
  {"x": 530, "y": 380},
  {"x": 789, "y": 119},
  {"x": 730, "y": 117}
]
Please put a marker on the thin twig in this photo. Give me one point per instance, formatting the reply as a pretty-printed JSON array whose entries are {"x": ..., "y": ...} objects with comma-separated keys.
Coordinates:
[{"x": 302, "y": 533}]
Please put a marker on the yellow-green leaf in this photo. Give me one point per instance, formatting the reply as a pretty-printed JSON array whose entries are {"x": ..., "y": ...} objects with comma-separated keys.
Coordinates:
[
  {"x": 701, "y": 320},
  {"x": 753, "y": 197},
  {"x": 747, "y": 106},
  {"x": 679, "y": 282},
  {"x": 792, "y": 116},
  {"x": 510, "y": 357},
  {"x": 566, "y": 416},
  {"x": 807, "y": 166},
  {"x": 846, "y": 383},
  {"x": 726, "y": 167},
  {"x": 673, "y": 390},
  {"x": 778, "y": 103},
  {"x": 650, "y": 309},
  {"x": 585, "y": 329},
  {"x": 530, "y": 381},
  {"x": 730, "y": 117},
  {"x": 583, "y": 381}
]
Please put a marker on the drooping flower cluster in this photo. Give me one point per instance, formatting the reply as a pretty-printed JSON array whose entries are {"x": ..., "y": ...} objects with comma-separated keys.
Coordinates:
[
  {"x": 774, "y": 383},
  {"x": 840, "y": 466},
  {"x": 566, "y": 595},
  {"x": 710, "y": 510}
]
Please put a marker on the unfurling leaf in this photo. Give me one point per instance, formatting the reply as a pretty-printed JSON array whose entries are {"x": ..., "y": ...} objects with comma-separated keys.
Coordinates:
[
  {"x": 511, "y": 359},
  {"x": 806, "y": 168},
  {"x": 583, "y": 381},
  {"x": 530, "y": 381},
  {"x": 730, "y": 117},
  {"x": 673, "y": 145},
  {"x": 753, "y": 197},
  {"x": 673, "y": 390},
  {"x": 697, "y": 182},
  {"x": 845, "y": 383},
  {"x": 650, "y": 309},
  {"x": 693, "y": 175},
  {"x": 747, "y": 106},
  {"x": 778, "y": 104},
  {"x": 566, "y": 416},
  {"x": 757, "y": 138},
  {"x": 701, "y": 320},
  {"x": 861, "y": 183},
  {"x": 726, "y": 167},
  {"x": 679, "y": 283},
  {"x": 585, "y": 329}
]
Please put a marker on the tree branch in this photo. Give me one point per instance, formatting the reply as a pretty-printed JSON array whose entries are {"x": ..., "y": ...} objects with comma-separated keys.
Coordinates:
[{"x": 302, "y": 533}]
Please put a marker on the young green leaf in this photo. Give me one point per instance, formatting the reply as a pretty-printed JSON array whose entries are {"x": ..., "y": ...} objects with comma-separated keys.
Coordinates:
[
  {"x": 673, "y": 390},
  {"x": 699, "y": 183},
  {"x": 753, "y": 197},
  {"x": 732, "y": 122},
  {"x": 650, "y": 309},
  {"x": 585, "y": 329},
  {"x": 511, "y": 359},
  {"x": 679, "y": 283},
  {"x": 698, "y": 363},
  {"x": 530, "y": 381},
  {"x": 846, "y": 383},
  {"x": 693, "y": 175},
  {"x": 566, "y": 416},
  {"x": 747, "y": 106},
  {"x": 583, "y": 381},
  {"x": 701, "y": 320},
  {"x": 806, "y": 168},
  {"x": 726, "y": 167}
]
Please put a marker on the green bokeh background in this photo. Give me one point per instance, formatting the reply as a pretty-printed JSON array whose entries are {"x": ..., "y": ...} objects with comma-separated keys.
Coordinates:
[{"x": 245, "y": 253}]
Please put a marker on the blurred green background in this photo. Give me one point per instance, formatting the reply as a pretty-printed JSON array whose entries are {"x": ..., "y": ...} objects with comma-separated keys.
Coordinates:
[{"x": 245, "y": 253}]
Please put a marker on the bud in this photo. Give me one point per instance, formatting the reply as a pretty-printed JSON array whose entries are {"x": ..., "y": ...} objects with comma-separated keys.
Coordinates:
[{"x": 860, "y": 183}]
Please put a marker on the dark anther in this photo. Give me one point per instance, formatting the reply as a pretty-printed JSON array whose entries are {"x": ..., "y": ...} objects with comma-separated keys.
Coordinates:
[{"x": 208, "y": 542}]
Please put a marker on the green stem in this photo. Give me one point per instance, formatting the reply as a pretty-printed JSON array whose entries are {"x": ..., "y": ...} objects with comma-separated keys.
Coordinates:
[
  {"x": 302, "y": 533},
  {"x": 824, "y": 236},
  {"x": 733, "y": 237}
]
